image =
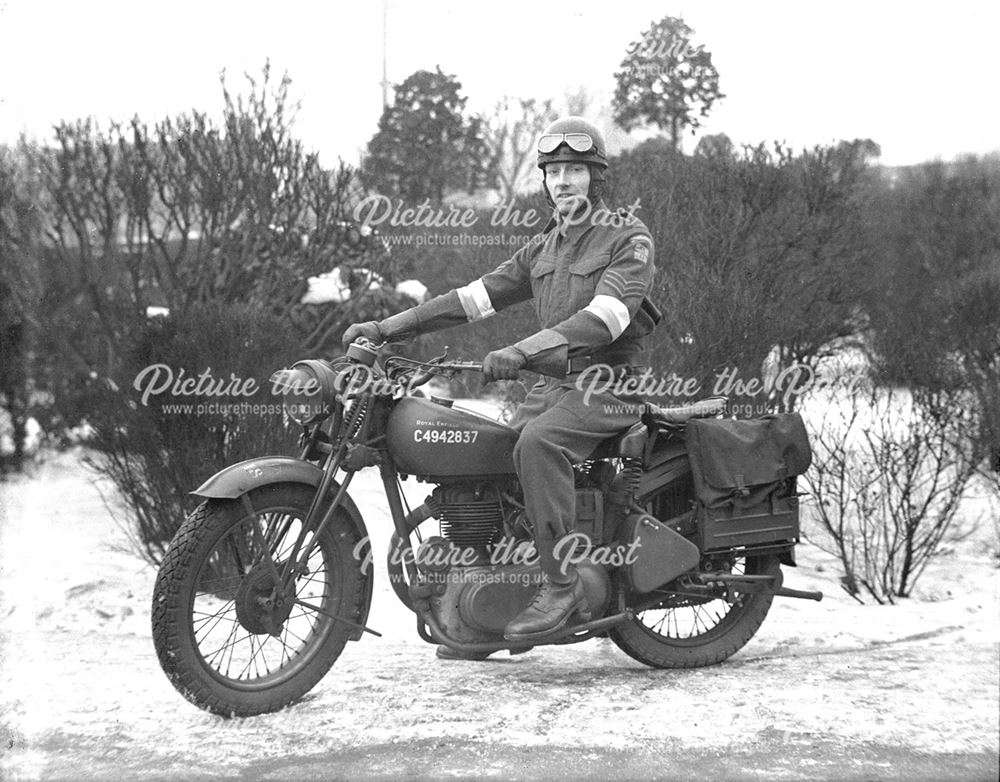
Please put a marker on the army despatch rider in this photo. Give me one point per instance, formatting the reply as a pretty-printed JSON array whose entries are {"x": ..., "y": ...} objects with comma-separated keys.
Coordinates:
[{"x": 589, "y": 272}]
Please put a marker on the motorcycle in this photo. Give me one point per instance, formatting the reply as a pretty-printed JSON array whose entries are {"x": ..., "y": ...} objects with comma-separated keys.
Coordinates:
[{"x": 682, "y": 524}]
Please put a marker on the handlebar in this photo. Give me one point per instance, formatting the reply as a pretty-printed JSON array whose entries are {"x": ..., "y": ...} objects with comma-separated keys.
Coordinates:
[
  {"x": 451, "y": 366},
  {"x": 461, "y": 366},
  {"x": 364, "y": 351}
]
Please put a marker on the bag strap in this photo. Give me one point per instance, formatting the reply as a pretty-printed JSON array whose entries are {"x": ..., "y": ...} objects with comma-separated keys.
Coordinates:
[{"x": 741, "y": 486}]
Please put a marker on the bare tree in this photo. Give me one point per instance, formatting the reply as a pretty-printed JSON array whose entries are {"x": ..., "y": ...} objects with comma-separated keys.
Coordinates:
[{"x": 510, "y": 133}]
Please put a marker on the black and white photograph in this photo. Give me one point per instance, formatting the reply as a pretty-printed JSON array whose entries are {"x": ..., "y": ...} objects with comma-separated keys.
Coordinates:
[{"x": 438, "y": 390}]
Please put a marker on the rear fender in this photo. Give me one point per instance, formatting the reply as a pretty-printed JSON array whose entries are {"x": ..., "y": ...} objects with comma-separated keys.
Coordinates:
[{"x": 238, "y": 479}]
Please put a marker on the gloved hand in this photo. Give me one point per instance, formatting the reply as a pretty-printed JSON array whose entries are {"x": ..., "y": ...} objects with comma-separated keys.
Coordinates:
[
  {"x": 503, "y": 364},
  {"x": 369, "y": 329}
]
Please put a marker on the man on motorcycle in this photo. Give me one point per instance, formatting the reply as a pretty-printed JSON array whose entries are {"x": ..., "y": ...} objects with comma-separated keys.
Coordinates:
[{"x": 589, "y": 272}]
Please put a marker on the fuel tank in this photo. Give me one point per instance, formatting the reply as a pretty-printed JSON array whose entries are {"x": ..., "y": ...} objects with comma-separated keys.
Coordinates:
[{"x": 434, "y": 439}]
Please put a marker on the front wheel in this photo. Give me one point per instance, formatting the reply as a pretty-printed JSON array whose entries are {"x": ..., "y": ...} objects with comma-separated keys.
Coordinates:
[{"x": 227, "y": 638}]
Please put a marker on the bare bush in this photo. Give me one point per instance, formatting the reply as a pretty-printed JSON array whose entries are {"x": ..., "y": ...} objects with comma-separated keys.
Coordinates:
[
  {"x": 890, "y": 469},
  {"x": 215, "y": 227},
  {"x": 158, "y": 441},
  {"x": 188, "y": 212}
]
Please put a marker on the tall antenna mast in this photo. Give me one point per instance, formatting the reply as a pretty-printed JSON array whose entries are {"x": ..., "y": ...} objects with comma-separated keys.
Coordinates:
[{"x": 385, "y": 44}]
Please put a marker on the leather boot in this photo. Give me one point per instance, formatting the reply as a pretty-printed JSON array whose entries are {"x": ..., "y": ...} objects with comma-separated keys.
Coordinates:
[{"x": 550, "y": 610}]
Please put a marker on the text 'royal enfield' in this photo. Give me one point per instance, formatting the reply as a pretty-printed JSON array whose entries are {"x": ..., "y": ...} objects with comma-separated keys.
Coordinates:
[{"x": 682, "y": 524}]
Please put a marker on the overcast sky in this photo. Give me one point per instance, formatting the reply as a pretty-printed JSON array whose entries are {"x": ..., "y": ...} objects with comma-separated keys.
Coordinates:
[{"x": 917, "y": 77}]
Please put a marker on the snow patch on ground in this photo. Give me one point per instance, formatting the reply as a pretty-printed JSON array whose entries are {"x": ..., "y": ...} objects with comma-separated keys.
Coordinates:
[{"x": 81, "y": 692}]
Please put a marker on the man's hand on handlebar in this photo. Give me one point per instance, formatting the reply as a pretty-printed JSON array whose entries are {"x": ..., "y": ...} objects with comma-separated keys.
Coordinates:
[
  {"x": 367, "y": 329},
  {"x": 503, "y": 364}
]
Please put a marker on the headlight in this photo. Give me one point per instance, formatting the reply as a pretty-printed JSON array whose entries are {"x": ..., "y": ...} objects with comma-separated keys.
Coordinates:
[{"x": 307, "y": 390}]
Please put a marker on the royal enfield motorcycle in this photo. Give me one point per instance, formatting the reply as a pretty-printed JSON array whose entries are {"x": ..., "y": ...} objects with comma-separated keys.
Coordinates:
[{"x": 682, "y": 524}]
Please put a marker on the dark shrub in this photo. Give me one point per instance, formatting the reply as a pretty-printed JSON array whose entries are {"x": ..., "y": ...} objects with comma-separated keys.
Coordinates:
[{"x": 160, "y": 440}]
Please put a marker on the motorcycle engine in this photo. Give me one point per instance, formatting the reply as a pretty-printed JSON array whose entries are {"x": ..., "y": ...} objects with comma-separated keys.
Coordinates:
[
  {"x": 470, "y": 514},
  {"x": 482, "y": 567}
]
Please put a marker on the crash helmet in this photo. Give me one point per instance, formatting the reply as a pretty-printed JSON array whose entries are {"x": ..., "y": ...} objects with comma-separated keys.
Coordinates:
[{"x": 574, "y": 140}]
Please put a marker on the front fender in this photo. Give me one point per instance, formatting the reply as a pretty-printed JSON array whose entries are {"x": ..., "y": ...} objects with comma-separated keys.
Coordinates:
[{"x": 238, "y": 479}]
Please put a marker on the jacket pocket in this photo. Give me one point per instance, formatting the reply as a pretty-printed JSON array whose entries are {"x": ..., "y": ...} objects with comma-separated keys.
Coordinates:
[
  {"x": 590, "y": 264},
  {"x": 541, "y": 268}
]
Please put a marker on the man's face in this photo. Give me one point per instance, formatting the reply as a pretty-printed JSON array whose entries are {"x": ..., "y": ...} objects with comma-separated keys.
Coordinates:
[{"x": 568, "y": 184}]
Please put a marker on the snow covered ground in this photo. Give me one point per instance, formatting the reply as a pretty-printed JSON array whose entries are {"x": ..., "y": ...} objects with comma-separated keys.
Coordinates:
[{"x": 831, "y": 690}]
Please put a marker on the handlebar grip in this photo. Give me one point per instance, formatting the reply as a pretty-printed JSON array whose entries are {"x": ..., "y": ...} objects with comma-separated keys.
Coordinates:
[{"x": 419, "y": 379}]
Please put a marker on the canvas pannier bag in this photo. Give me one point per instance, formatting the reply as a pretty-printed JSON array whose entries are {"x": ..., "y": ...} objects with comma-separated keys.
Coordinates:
[{"x": 743, "y": 474}]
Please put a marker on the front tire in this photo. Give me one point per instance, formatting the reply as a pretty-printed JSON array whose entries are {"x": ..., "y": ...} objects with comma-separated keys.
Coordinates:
[{"x": 224, "y": 645}]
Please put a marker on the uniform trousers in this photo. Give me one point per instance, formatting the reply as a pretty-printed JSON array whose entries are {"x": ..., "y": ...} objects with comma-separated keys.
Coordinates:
[{"x": 561, "y": 425}]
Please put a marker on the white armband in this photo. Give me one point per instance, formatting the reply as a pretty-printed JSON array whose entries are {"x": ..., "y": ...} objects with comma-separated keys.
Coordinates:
[
  {"x": 612, "y": 312},
  {"x": 475, "y": 300}
]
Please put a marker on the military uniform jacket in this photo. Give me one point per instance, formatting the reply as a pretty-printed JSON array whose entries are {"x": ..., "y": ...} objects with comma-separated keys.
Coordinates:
[{"x": 589, "y": 277}]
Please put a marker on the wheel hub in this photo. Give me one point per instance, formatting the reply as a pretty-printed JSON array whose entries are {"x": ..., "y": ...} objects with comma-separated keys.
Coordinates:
[{"x": 262, "y": 606}]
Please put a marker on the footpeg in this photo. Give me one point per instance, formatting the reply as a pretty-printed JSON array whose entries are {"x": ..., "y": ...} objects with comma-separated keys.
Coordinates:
[{"x": 803, "y": 595}]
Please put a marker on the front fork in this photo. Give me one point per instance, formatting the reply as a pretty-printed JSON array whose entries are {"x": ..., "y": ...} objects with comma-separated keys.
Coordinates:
[
  {"x": 284, "y": 574},
  {"x": 390, "y": 484}
]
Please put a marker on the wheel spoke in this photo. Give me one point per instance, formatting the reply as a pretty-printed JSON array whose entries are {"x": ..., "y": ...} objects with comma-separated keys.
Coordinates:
[
  {"x": 694, "y": 621},
  {"x": 226, "y": 647},
  {"x": 687, "y": 617},
  {"x": 301, "y": 640},
  {"x": 256, "y": 649},
  {"x": 206, "y": 631},
  {"x": 237, "y": 602}
]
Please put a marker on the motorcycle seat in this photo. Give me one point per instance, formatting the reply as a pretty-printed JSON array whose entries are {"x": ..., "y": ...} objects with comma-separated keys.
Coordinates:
[
  {"x": 629, "y": 441},
  {"x": 677, "y": 416}
]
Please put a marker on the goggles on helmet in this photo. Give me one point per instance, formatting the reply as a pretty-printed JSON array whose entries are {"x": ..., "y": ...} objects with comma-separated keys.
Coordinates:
[{"x": 578, "y": 142}]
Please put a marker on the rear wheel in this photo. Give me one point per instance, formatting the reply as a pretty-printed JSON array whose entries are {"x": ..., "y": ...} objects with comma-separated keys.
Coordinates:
[
  {"x": 228, "y": 638},
  {"x": 684, "y": 631},
  {"x": 689, "y": 629}
]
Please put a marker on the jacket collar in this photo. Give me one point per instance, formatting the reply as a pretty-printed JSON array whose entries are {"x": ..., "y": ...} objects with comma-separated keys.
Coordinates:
[{"x": 574, "y": 228}]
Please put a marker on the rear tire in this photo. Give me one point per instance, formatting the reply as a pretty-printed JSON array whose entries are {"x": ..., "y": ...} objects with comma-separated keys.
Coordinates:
[
  {"x": 222, "y": 647},
  {"x": 693, "y": 633}
]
